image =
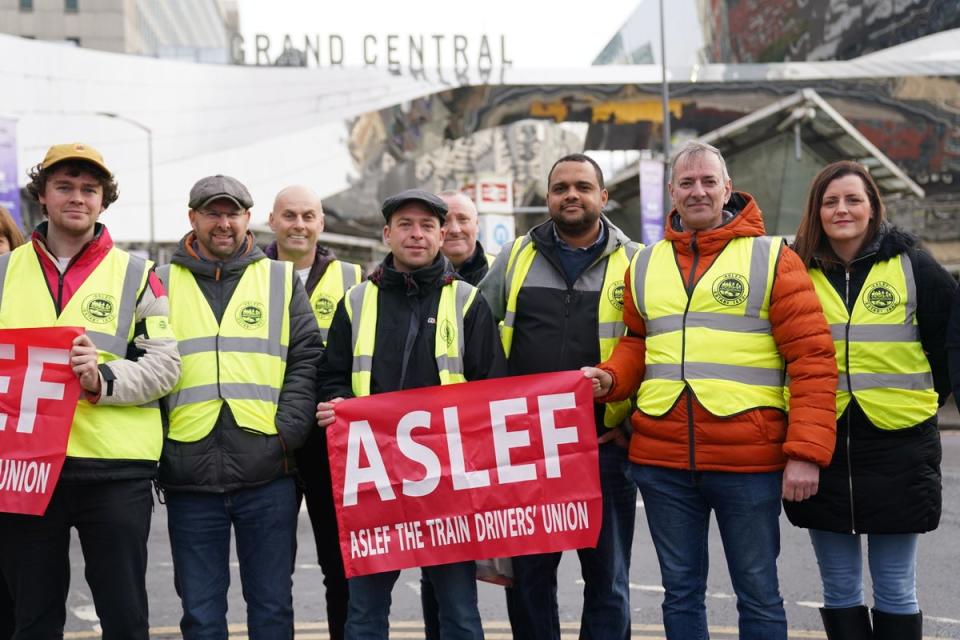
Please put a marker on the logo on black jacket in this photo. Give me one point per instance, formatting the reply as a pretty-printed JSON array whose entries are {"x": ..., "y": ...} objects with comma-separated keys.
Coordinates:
[
  {"x": 730, "y": 289},
  {"x": 880, "y": 298},
  {"x": 615, "y": 295},
  {"x": 98, "y": 308},
  {"x": 250, "y": 315},
  {"x": 324, "y": 306}
]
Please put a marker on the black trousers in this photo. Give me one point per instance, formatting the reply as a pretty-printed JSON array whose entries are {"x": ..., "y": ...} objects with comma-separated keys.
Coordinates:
[
  {"x": 112, "y": 520},
  {"x": 314, "y": 469}
]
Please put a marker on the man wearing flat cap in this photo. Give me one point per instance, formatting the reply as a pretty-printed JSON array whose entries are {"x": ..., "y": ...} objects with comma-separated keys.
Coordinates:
[
  {"x": 70, "y": 274},
  {"x": 243, "y": 406},
  {"x": 397, "y": 311}
]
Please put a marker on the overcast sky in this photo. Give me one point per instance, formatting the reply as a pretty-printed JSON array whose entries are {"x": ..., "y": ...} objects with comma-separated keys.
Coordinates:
[{"x": 538, "y": 33}]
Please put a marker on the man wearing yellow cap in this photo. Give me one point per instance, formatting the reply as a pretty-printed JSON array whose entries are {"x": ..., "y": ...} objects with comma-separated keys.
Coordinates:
[{"x": 72, "y": 275}]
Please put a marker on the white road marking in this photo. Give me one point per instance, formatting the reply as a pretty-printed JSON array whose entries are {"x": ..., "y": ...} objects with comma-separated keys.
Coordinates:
[
  {"x": 415, "y": 585},
  {"x": 86, "y": 612}
]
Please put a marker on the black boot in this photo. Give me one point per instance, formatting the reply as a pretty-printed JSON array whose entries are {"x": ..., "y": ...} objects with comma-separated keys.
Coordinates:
[
  {"x": 849, "y": 623},
  {"x": 895, "y": 626}
]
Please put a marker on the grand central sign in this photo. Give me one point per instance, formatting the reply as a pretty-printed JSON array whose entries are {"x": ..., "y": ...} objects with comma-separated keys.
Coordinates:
[{"x": 416, "y": 53}]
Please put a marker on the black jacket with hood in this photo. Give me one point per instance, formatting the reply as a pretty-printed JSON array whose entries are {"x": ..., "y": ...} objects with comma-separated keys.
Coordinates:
[
  {"x": 555, "y": 328},
  {"x": 882, "y": 481},
  {"x": 406, "y": 333},
  {"x": 229, "y": 457}
]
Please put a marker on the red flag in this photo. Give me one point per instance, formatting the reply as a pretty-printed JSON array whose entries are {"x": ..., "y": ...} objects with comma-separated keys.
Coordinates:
[
  {"x": 483, "y": 469},
  {"x": 38, "y": 396}
]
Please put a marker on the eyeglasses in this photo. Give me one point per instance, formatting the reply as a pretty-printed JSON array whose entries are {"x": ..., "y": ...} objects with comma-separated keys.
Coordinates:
[{"x": 213, "y": 216}]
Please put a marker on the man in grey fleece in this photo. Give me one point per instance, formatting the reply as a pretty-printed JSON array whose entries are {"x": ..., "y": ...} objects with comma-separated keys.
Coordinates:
[{"x": 244, "y": 405}]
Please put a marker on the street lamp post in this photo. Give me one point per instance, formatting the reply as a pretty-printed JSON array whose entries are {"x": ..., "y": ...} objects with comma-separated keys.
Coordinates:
[
  {"x": 149, "y": 132},
  {"x": 665, "y": 92}
]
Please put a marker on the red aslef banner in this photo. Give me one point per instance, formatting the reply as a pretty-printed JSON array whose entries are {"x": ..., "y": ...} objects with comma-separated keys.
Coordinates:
[
  {"x": 38, "y": 396},
  {"x": 485, "y": 469}
]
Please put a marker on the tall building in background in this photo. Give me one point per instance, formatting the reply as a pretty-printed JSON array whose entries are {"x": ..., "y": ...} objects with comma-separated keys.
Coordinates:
[{"x": 197, "y": 30}]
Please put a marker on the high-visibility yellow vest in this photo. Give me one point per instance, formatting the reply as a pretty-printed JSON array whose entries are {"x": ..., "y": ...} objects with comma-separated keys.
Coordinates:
[
  {"x": 105, "y": 306},
  {"x": 455, "y": 301},
  {"x": 241, "y": 360},
  {"x": 610, "y": 327},
  {"x": 490, "y": 259},
  {"x": 716, "y": 338},
  {"x": 879, "y": 356},
  {"x": 336, "y": 280}
]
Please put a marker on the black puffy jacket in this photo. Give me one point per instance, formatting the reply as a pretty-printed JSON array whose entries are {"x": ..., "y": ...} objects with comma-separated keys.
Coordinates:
[
  {"x": 229, "y": 457},
  {"x": 883, "y": 481}
]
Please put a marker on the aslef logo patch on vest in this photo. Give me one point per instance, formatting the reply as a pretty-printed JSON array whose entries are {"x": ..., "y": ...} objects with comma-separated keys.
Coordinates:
[
  {"x": 250, "y": 315},
  {"x": 99, "y": 308},
  {"x": 881, "y": 298},
  {"x": 730, "y": 289},
  {"x": 324, "y": 306},
  {"x": 447, "y": 332},
  {"x": 615, "y": 294}
]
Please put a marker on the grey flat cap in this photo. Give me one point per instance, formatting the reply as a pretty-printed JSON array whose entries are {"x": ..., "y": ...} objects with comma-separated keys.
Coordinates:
[{"x": 213, "y": 187}]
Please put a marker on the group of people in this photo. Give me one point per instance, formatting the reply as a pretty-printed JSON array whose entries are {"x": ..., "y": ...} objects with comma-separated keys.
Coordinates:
[{"x": 731, "y": 373}]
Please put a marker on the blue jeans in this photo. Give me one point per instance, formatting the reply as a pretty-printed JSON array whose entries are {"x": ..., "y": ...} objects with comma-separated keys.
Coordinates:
[
  {"x": 532, "y": 601},
  {"x": 747, "y": 506},
  {"x": 893, "y": 568},
  {"x": 368, "y": 607},
  {"x": 265, "y": 521}
]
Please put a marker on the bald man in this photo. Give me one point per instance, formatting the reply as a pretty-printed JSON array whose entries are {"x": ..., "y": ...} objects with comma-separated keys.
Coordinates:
[
  {"x": 460, "y": 244},
  {"x": 297, "y": 221}
]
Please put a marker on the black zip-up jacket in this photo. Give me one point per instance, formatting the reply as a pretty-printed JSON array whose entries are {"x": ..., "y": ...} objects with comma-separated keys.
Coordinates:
[
  {"x": 475, "y": 267},
  {"x": 229, "y": 457},
  {"x": 555, "y": 328},
  {"x": 883, "y": 481},
  {"x": 406, "y": 333}
]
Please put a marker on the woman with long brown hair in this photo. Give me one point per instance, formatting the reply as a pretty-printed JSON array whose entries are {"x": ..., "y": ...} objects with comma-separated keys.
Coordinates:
[
  {"x": 887, "y": 303},
  {"x": 10, "y": 235}
]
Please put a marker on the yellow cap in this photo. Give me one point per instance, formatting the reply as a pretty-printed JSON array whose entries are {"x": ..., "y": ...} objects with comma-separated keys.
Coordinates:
[{"x": 74, "y": 151}]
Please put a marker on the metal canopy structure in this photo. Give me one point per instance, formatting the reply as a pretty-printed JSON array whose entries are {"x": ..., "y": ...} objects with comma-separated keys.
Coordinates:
[{"x": 817, "y": 125}]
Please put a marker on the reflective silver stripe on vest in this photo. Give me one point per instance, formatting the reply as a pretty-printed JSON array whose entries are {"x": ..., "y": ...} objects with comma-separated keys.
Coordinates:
[
  {"x": 355, "y": 303},
  {"x": 278, "y": 273},
  {"x": 714, "y": 371},
  {"x": 908, "y": 381},
  {"x": 193, "y": 346},
  {"x": 509, "y": 317},
  {"x": 4, "y": 261},
  {"x": 707, "y": 320},
  {"x": 117, "y": 344},
  {"x": 639, "y": 276},
  {"x": 875, "y": 332},
  {"x": 164, "y": 274},
  {"x": 231, "y": 391},
  {"x": 362, "y": 363},
  {"x": 323, "y": 335},
  {"x": 444, "y": 362},
  {"x": 610, "y": 330},
  {"x": 911, "y": 307},
  {"x": 759, "y": 267},
  {"x": 348, "y": 276}
]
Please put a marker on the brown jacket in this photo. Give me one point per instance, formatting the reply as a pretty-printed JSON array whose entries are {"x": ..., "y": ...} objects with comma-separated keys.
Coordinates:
[{"x": 758, "y": 440}]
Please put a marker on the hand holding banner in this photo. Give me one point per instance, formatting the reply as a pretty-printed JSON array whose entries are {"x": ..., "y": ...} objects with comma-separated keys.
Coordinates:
[
  {"x": 38, "y": 396},
  {"x": 468, "y": 471}
]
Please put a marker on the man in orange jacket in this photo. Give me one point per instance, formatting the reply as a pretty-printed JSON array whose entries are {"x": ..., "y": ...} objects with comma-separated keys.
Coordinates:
[{"x": 715, "y": 313}]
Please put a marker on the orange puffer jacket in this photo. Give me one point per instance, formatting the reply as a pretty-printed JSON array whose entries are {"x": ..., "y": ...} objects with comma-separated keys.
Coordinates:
[{"x": 759, "y": 440}]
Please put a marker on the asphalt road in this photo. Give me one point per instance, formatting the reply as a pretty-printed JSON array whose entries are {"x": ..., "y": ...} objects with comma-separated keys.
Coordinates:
[{"x": 938, "y": 580}]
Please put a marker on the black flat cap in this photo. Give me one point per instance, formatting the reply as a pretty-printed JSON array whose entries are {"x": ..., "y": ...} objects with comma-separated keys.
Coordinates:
[{"x": 433, "y": 204}]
